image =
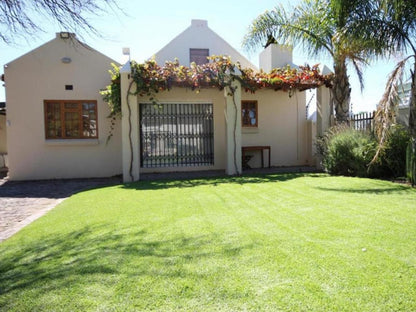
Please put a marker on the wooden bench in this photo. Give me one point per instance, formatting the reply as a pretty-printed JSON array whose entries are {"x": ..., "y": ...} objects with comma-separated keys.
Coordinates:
[{"x": 261, "y": 148}]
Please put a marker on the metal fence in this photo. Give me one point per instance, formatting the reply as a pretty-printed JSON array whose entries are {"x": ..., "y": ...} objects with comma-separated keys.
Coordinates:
[
  {"x": 176, "y": 135},
  {"x": 363, "y": 121}
]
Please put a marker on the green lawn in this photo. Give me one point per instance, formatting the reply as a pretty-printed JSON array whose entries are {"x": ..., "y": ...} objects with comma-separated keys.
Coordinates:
[{"x": 289, "y": 242}]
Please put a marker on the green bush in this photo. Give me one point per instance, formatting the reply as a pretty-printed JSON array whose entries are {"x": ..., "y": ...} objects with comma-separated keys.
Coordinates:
[
  {"x": 411, "y": 162},
  {"x": 392, "y": 161},
  {"x": 347, "y": 152}
]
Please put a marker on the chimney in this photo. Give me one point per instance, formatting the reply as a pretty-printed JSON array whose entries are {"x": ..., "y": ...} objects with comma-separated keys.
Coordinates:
[
  {"x": 276, "y": 55},
  {"x": 199, "y": 23},
  {"x": 65, "y": 35}
]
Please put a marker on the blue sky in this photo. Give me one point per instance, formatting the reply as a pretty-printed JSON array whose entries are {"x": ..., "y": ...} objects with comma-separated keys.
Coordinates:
[{"x": 147, "y": 26}]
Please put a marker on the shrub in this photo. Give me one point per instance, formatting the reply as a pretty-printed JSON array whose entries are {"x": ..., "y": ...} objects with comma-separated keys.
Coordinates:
[
  {"x": 392, "y": 160},
  {"x": 346, "y": 151},
  {"x": 349, "y": 152},
  {"x": 411, "y": 162}
]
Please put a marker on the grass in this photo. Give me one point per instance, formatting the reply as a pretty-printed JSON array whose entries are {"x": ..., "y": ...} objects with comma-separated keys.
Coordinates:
[{"x": 289, "y": 242}]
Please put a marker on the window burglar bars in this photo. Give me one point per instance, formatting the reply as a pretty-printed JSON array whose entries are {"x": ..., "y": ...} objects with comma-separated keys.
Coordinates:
[{"x": 174, "y": 135}]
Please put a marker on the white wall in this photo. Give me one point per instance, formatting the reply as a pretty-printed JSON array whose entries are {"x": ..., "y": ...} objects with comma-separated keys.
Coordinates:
[
  {"x": 184, "y": 95},
  {"x": 324, "y": 118},
  {"x": 3, "y": 135},
  {"x": 198, "y": 36},
  {"x": 403, "y": 115},
  {"x": 282, "y": 125},
  {"x": 41, "y": 75},
  {"x": 274, "y": 56}
]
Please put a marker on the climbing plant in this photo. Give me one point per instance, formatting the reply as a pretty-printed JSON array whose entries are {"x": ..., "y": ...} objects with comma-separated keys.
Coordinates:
[
  {"x": 150, "y": 78},
  {"x": 112, "y": 95}
]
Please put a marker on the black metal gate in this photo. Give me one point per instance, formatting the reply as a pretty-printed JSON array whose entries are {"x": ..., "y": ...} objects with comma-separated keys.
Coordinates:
[{"x": 174, "y": 135}]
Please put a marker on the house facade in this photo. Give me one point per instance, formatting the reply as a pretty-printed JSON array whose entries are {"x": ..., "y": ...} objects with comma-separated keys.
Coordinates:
[
  {"x": 63, "y": 131},
  {"x": 197, "y": 42},
  {"x": 3, "y": 137},
  {"x": 278, "y": 122},
  {"x": 56, "y": 119}
]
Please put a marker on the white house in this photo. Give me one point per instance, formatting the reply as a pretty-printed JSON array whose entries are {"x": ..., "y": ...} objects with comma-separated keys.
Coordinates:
[
  {"x": 3, "y": 137},
  {"x": 403, "y": 109},
  {"x": 197, "y": 42},
  {"x": 58, "y": 125}
]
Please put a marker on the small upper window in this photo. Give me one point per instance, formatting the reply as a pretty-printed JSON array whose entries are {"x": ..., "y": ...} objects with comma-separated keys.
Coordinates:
[
  {"x": 199, "y": 56},
  {"x": 70, "y": 119},
  {"x": 249, "y": 114}
]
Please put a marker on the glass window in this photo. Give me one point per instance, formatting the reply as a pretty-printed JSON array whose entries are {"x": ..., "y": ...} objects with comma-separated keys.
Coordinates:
[
  {"x": 70, "y": 119},
  {"x": 53, "y": 120},
  {"x": 199, "y": 56},
  {"x": 249, "y": 114}
]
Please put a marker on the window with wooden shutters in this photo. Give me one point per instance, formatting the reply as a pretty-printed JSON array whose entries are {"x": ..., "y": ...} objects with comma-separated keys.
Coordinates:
[
  {"x": 199, "y": 56},
  {"x": 70, "y": 119}
]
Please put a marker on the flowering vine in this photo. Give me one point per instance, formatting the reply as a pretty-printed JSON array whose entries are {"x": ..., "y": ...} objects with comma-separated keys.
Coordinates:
[{"x": 150, "y": 78}]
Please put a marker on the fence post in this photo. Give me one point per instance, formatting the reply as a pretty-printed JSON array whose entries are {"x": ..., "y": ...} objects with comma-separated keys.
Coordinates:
[{"x": 363, "y": 121}]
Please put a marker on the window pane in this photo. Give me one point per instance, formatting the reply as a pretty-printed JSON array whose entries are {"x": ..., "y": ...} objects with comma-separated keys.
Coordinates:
[
  {"x": 249, "y": 113},
  {"x": 70, "y": 119},
  {"x": 89, "y": 120},
  {"x": 199, "y": 56},
  {"x": 71, "y": 105},
  {"x": 53, "y": 120},
  {"x": 72, "y": 125}
]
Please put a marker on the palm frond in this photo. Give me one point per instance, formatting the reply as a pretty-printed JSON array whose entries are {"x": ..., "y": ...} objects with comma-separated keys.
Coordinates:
[
  {"x": 385, "y": 115},
  {"x": 307, "y": 25},
  {"x": 359, "y": 72}
]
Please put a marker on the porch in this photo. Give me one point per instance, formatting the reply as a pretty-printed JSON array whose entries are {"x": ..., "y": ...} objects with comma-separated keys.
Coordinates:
[{"x": 210, "y": 129}]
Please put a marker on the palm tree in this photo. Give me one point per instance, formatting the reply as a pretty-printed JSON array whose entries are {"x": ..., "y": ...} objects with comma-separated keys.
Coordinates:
[
  {"x": 318, "y": 26},
  {"x": 389, "y": 26},
  {"x": 395, "y": 26}
]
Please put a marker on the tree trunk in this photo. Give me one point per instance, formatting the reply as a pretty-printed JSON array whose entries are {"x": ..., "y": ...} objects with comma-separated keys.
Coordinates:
[
  {"x": 341, "y": 91},
  {"x": 412, "y": 106},
  {"x": 412, "y": 129}
]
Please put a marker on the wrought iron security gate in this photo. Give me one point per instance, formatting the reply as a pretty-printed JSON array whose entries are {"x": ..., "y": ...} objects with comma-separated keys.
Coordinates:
[{"x": 176, "y": 135}]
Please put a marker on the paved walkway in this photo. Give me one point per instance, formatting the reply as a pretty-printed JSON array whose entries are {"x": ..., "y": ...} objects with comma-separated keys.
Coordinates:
[{"x": 23, "y": 202}]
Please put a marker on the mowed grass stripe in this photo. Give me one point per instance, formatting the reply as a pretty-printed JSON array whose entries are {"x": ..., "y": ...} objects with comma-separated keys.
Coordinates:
[{"x": 290, "y": 242}]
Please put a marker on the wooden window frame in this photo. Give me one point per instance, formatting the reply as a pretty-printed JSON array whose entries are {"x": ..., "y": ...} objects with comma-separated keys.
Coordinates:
[
  {"x": 64, "y": 110},
  {"x": 243, "y": 103}
]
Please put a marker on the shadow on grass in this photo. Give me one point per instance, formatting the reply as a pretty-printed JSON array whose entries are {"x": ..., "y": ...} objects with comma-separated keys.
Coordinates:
[
  {"x": 92, "y": 254},
  {"x": 60, "y": 188},
  {"x": 255, "y": 178},
  {"x": 390, "y": 189}
]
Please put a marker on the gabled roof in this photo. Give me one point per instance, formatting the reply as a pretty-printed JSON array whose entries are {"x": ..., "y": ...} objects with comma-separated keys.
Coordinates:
[
  {"x": 61, "y": 37},
  {"x": 199, "y": 36}
]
